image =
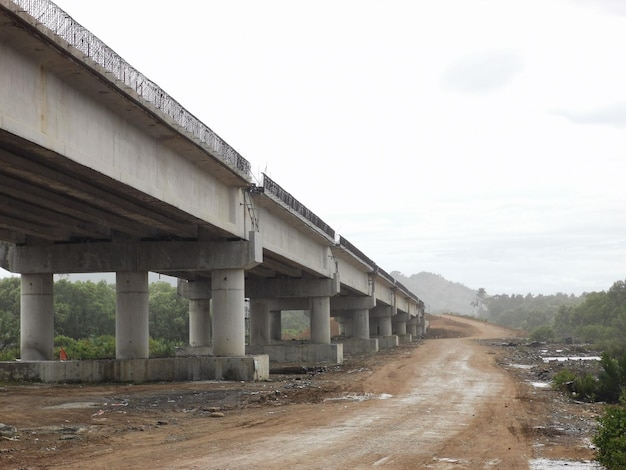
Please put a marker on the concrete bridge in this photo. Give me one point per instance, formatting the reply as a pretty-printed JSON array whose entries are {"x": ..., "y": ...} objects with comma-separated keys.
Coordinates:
[{"x": 102, "y": 171}]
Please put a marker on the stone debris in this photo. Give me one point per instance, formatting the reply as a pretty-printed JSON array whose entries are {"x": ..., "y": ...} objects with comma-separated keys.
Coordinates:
[{"x": 7, "y": 432}]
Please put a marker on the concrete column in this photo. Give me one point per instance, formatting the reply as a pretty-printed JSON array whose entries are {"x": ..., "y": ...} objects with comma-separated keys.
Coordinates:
[
  {"x": 411, "y": 326},
  {"x": 320, "y": 320},
  {"x": 340, "y": 325},
  {"x": 132, "y": 315},
  {"x": 400, "y": 327},
  {"x": 229, "y": 322},
  {"x": 361, "y": 323},
  {"x": 276, "y": 325},
  {"x": 37, "y": 317},
  {"x": 348, "y": 325},
  {"x": 199, "y": 295},
  {"x": 260, "y": 322},
  {"x": 199, "y": 322},
  {"x": 384, "y": 324}
]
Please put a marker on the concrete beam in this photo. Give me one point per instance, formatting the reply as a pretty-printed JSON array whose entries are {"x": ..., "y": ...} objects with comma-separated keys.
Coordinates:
[
  {"x": 290, "y": 288},
  {"x": 352, "y": 302},
  {"x": 381, "y": 311},
  {"x": 135, "y": 256}
]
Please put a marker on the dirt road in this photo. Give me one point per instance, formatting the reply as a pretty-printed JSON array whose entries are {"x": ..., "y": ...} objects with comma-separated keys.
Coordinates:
[{"x": 442, "y": 404}]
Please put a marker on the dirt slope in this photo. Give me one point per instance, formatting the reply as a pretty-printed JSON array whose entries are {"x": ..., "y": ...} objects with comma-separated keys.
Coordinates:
[{"x": 444, "y": 403}]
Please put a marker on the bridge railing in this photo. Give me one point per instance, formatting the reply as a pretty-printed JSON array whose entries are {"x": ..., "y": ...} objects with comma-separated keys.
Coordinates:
[
  {"x": 60, "y": 23},
  {"x": 356, "y": 252},
  {"x": 271, "y": 187}
]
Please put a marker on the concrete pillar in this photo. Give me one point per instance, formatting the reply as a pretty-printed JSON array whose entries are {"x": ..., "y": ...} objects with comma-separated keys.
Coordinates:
[
  {"x": 411, "y": 326},
  {"x": 276, "y": 325},
  {"x": 132, "y": 315},
  {"x": 260, "y": 322},
  {"x": 37, "y": 317},
  {"x": 320, "y": 320},
  {"x": 348, "y": 325},
  {"x": 361, "y": 323},
  {"x": 384, "y": 324},
  {"x": 400, "y": 327},
  {"x": 199, "y": 295},
  {"x": 229, "y": 322},
  {"x": 340, "y": 325},
  {"x": 199, "y": 322}
]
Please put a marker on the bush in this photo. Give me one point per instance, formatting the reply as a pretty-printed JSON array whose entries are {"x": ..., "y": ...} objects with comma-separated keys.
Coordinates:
[
  {"x": 563, "y": 380},
  {"x": 542, "y": 333},
  {"x": 611, "y": 437},
  {"x": 582, "y": 387},
  {"x": 101, "y": 347}
]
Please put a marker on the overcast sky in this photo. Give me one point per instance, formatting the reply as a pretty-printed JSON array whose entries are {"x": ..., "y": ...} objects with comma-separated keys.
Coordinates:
[{"x": 481, "y": 140}]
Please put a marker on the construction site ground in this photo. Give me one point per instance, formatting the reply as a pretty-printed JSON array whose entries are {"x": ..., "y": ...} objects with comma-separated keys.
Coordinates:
[{"x": 465, "y": 397}]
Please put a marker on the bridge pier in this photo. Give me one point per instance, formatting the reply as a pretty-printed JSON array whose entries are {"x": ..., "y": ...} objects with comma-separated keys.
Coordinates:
[
  {"x": 37, "y": 317},
  {"x": 199, "y": 295},
  {"x": 260, "y": 322},
  {"x": 320, "y": 320},
  {"x": 381, "y": 316},
  {"x": 132, "y": 315},
  {"x": 361, "y": 323},
  {"x": 276, "y": 325},
  {"x": 384, "y": 325},
  {"x": 229, "y": 323}
]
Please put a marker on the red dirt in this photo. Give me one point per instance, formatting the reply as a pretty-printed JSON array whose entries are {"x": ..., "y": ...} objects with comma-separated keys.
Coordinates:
[{"x": 442, "y": 403}]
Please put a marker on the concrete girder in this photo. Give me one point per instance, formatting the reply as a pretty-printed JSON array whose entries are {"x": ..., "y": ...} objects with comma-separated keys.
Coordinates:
[
  {"x": 135, "y": 256},
  {"x": 290, "y": 288}
]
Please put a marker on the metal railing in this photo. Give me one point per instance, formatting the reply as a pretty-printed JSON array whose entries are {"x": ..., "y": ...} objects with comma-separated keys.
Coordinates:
[
  {"x": 61, "y": 24},
  {"x": 270, "y": 186},
  {"x": 356, "y": 252}
]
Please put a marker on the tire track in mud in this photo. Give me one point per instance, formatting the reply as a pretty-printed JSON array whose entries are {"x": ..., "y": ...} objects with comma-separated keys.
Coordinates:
[{"x": 454, "y": 389}]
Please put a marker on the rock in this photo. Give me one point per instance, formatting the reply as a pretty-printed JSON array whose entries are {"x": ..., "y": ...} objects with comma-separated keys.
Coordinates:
[
  {"x": 216, "y": 414},
  {"x": 7, "y": 431}
]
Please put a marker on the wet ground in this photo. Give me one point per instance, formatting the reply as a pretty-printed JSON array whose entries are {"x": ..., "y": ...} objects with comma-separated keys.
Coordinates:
[{"x": 445, "y": 403}]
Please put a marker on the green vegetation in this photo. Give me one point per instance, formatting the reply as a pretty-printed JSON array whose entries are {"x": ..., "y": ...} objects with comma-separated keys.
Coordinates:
[
  {"x": 611, "y": 437},
  {"x": 294, "y": 323},
  {"x": 85, "y": 319}
]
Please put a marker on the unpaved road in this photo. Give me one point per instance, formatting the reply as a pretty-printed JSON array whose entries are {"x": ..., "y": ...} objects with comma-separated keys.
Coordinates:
[{"x": 442, "y": 404}]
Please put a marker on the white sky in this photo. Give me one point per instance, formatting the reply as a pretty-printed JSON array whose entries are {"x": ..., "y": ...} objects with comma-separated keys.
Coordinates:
[{"x": 481, "y": 140}]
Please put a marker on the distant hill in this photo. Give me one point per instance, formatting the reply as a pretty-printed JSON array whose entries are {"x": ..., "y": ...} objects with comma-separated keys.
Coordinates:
[{"x": 439, "y": 294}]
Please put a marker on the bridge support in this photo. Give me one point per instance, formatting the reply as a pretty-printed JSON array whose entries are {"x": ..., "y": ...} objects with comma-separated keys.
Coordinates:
[
  {"x": 411, "y": 326},
  {"x": 260, "y": 322},
  {"x": 276, "y": 325},
  {"x": 132, "y": 315},
  {"x": 384, "y": 326},
  {"x": 320, "y": 320},
  {"x": 37, "y": 317},
  {"x": 227, "y": 291},
  {"x": 361, "y": 324},
  {"x": 199, "y": 295}
]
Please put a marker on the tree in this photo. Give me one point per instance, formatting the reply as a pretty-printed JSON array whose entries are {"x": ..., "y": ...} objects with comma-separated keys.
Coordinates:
[
  {"x": 611, "y": 439},
  {"x": 84, "y": 309},
  {"x": 9, "y": 312},
  {"x": 480, "y": 301},
  {"x": 169, "y": 313}
]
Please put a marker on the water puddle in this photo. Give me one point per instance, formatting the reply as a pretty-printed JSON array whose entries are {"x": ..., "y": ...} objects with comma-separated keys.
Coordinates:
[
  {"x": 541, "y": 384},
  {"x": 360, "y": 398},
  {"x": 546, "y": 464},
  {"x": 521, "y": 366},
  {"x": 570, "y": 358}
]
